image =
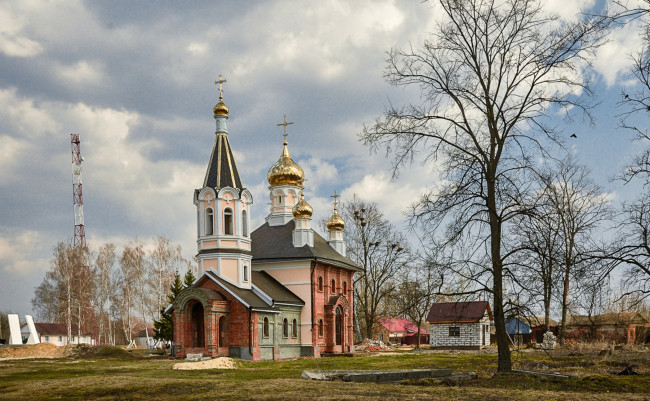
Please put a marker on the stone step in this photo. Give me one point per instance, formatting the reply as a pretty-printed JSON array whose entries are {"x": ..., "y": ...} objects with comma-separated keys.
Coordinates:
[{"x": 197, "y": 357}]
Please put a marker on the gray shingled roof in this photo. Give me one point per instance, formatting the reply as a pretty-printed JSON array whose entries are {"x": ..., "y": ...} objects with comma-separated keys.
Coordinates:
[
  {"x": 276, "y": 291},
  {"x": 275, "y": 243},
  {"x": 248, "y": 297}
]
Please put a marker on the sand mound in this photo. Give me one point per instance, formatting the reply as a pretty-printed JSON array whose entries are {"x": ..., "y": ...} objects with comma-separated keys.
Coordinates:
[
  {"x": 42, "y": 350},
  {"x": 217, "y": 363}
]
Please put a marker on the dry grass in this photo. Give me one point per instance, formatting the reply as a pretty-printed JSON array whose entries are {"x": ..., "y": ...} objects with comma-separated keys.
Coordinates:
[{"x": 136, "y": 377}]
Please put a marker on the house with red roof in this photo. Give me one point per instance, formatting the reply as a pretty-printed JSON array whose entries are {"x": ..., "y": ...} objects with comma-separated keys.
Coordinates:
[
  {"x": 460, "y": 325},
  {"x": 399, "y": 330}
]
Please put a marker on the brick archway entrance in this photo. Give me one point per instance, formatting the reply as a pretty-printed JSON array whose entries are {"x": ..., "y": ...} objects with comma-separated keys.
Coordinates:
[{"x": 197, "y": 326}]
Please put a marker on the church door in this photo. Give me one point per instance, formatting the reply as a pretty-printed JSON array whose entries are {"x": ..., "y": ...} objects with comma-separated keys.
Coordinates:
[
  {"x": 339, "y": 325},
  {"x": 198, "y": 326}
]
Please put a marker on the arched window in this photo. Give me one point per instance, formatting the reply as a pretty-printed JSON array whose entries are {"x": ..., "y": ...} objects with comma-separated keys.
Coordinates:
[
  {"x": 333, "y": 286},
  {"x": 285, "y": 328},
  {"x": 245, "y": 273},
  {"x": 222, "y": 331},
  {"x": 227, "y": 221},
  {"x": 294, "y": 328},
  {"x": 338, "y": 325},
  {"x": 320, "y": 284},
  {"x": 320, "y": 327},
  {"x": 265, "y": 329},
  {"x": 280, "y": 198},
  {"x": 244, "y": 223},
  {"x": 209, "y": 221},
  {"x": 345, "y": 288}
]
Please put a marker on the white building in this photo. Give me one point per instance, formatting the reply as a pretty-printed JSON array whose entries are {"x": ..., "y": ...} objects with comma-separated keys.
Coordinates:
[
  {"x": 460, "y": 325},
  {"x": 57, "y": 334}
]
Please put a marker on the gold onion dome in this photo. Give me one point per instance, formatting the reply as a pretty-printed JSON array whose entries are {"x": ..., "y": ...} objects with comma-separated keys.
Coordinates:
[
  {"x": 335, "y": 223},
  {"x": 220, "y": 109},
  {"x": 285, "y": 171},
  {"x": 302, "y": 209}
]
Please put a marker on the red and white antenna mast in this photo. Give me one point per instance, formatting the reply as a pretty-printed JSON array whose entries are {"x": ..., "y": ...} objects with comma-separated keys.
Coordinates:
[{"x": 77, "y": 195}]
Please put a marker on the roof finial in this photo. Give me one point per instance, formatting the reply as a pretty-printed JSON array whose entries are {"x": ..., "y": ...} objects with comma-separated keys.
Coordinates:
[
  {"x": 285, "y": 123},
  {"x": 335, "y": 196},
  {"x": 220, "y": 82}
]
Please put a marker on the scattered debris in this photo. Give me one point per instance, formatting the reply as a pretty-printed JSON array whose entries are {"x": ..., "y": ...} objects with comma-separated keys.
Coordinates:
[
  {"x": 217, "y": 363},
  {"x": 553, "y": 375},
  {"x": 372, "y": 346}
]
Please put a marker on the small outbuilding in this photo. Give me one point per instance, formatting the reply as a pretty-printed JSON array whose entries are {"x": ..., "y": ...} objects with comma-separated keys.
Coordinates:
[
  {"x": 460, "y": 325},
  {"x": 624, "y": 327}
]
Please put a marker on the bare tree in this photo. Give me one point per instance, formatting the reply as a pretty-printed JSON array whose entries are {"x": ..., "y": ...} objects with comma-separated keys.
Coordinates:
[
  {"x": 381, "y": 251},
  {"x": 165, "y": 260},
  {"x": 579, "y": 207},
  {"x": 487, "y": 77},
  {"x": 46, "y": 300},
  {"x": 104, "y": 267},
  {"x": 132, "y": 268}
]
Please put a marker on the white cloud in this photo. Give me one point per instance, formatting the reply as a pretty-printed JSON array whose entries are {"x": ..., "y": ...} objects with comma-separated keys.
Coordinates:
[
  {"x": 613, "y": 59},
  {"x": 13, "y": 40},
  {"x": 82, "y": 72},
  {"x": 17, "y": 256}
]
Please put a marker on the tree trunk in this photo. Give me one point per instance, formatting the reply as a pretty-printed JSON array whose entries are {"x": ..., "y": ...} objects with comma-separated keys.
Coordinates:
[{"x": 503, "y": 345}]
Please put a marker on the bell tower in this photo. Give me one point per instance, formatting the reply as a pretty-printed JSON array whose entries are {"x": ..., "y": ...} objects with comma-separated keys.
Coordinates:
[{"x": 223, "y": 210}]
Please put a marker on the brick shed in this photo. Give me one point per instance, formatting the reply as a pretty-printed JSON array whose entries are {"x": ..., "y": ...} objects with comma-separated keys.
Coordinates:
[{"x": 460, "y": 325}]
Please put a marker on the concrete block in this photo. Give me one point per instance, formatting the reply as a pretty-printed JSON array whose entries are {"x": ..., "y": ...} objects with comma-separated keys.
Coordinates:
[
  {"x": 14, "y": 330},
  {"x": 33, "y": 335}
]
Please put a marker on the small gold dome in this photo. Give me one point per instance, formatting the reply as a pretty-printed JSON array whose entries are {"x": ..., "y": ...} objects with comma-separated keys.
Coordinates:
[
  {"x": 220, "y": 109},
  {"x": 285, "y": 171},
  {"x": 335, "y": 223},
  {"x": 302, "y": 209}
]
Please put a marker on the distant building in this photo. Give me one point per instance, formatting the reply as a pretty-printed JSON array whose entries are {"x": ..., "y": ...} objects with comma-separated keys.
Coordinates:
[
  {"x": 624, "y": 327},
  {"x": 57, "y": 334},
  {"x": 460, "y": 325},
  {"x": 141, "y": 338},
  {"x": 519, "y": 330},
  {"x": 398, "y": 330}
]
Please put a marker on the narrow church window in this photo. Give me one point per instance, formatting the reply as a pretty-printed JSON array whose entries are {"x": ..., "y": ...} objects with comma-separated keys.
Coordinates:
[
  {"x": 345, "y": 288},
  {"x": 320, "y": 284},
  {"x": 222, "y": 330},
  {"x": 209, "y": 221},
  {"x": 339, "y": 325},
  {"x": 333, "y": 286},
  {"x": 320, "y": 327},
  {"x": 245, "y": 273},
  {"x": 279, "y": 198},
  {"x": 285, "y": 328},
  {"x": 227, "y": 221},
  {"x": 266, "y": 327},
  {"x": 294, "y": 329},
  {"x": 244, "y": 223}
]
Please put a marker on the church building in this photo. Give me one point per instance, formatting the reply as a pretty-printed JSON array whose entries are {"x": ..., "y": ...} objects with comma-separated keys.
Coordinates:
[{"x": 280, "y": 291}]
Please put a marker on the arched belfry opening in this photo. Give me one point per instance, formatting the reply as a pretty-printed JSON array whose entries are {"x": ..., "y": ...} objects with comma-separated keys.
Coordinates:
[{"x": 198, "y": 325}]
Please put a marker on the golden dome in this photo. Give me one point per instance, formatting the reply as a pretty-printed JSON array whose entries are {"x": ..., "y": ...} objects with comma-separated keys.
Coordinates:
[
  {"x": 220, "y": 109},
  {"x": 302, "y": 209},
  {"x": 335, "y": 223},
  {"x": 285, "y": 171}
]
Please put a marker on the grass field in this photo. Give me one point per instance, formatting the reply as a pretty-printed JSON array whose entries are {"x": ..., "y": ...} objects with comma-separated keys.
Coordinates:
[{"x": 111, "y": 374}]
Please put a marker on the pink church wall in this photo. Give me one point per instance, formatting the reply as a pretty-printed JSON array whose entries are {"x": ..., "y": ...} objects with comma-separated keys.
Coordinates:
[{"x": 229, "y": 269}]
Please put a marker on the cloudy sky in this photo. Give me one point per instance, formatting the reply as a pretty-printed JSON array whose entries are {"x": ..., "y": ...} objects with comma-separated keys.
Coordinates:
[{"x": 136, "y": 80}]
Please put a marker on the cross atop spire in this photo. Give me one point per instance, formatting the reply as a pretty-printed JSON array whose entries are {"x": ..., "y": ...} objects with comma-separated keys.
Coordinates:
[
  {"x": 285, "y": 123},
  {"x": 220, "y": 82},
  {"x": 335, "y": 196}
]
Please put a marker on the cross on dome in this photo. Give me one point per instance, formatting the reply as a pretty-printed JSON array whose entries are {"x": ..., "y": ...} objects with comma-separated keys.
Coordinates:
[
  {"x": 335, "y": 196},
  {"x": 285, "y": 123},
  {"x": 220, "y": 82}
]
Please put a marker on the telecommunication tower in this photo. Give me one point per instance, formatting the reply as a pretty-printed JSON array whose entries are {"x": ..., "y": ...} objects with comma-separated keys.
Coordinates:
[{"x": 77, "y": 194}]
